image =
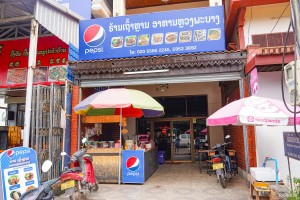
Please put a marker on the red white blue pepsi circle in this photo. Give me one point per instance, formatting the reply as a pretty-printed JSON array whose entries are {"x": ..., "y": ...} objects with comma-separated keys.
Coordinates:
[
  {"x": 10, "y": 152},
  {"x": 94, "y": 35},
  {"x": 133, "y": 163}
]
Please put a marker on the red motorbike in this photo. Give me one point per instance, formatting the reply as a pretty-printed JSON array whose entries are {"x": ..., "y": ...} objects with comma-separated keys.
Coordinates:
[{"x": 76, "y": 180}]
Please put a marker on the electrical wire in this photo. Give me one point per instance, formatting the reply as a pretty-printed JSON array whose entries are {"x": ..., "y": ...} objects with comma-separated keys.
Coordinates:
[
  {"x": 279, "y": 17},
  {"x": 282, "y": 68},
  {"x": 295, "y": 72}
]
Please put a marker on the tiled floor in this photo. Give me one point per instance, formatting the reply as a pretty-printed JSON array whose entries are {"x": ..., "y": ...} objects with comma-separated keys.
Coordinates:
[{"x": 176, "y": 181}]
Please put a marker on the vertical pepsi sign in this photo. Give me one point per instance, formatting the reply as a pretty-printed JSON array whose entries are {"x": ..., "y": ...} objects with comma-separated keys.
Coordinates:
[
  {"x": 19, "y": 172},
  {"x": 133, "y": 170}
]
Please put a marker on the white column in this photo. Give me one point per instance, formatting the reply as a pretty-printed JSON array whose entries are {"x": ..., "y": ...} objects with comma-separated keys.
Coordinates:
[
  {"x": 119, "y": 8},
  {"x": 31, "y": 66}
]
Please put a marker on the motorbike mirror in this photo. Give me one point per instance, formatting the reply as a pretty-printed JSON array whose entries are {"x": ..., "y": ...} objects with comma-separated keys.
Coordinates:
[
  {"x": 84, "y": 140},
  {"x": 227, "y": 136},
  {"x": 46, "y": 165},
  {"x": 63, "y": 153}
]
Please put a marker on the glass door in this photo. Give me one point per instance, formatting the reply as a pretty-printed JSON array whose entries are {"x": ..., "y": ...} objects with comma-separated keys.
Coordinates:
[
  {"x": 182, "y": 140},
  {"x": 162, "y": 138}
]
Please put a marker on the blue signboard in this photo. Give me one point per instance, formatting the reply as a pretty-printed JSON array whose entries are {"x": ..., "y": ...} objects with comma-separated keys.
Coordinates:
[
  {"x": 19, "y": 172},
  {"x": 291, "y": 145},
  {"x": 133, "y": 166},
  {"x": 172, "y": 32},
  {"x": 81, "y": 7}
]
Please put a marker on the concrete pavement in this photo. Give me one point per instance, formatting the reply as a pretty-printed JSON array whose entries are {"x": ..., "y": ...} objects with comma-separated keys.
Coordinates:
[{"x": 175, "y": 181}]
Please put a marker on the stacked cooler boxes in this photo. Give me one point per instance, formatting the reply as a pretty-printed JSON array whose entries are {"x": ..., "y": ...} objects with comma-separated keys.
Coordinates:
[{"x": 14, "y": 136}]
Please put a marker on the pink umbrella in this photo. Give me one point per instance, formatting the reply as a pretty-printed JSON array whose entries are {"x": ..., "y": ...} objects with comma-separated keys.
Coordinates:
[
  {"x": 253, "y": 111},
  {"x": 204, "y": 131}
]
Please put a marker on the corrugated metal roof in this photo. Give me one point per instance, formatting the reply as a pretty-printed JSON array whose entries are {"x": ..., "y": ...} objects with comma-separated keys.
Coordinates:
[
  {"x": 12, "y": 8},
  {"x": 16, "y": 15},
  {"x": 59, "y": 20}
]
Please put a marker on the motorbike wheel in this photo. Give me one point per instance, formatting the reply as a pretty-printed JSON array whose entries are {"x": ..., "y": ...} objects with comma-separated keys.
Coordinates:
[
  {"x": 72, "y": 197},
  {"x": 188, "y": 144},
  {"x": 222, "y": 180},
  {"x": 96, "y": 187},
  {"x": 77, "y": 196}
]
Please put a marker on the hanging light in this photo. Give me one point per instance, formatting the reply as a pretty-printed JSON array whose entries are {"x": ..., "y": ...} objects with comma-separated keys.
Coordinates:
[{"x": 162, "y": 87}]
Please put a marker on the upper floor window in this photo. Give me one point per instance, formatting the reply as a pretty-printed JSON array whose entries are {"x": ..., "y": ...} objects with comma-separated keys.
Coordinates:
[{"x": 273, "y": 39}]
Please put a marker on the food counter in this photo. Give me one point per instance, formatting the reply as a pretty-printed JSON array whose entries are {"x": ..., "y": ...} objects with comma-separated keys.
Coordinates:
[{"x": 106, "y": 164}]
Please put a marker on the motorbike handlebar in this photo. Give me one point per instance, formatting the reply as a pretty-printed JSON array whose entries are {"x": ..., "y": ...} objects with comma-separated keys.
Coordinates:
[
  {"x": 45, "y": 190},
  {"x": 221, "y": 145},
  {"x": 78, "y": 154}
]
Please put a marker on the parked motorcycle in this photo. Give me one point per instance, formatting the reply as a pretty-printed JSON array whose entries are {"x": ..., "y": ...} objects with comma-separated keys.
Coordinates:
[
  {"x": 76, "y": 180},
  {"x": 200, "y": 143},
  {"x": 221, "y": 163},
  {"x": 44, "y": 192}
]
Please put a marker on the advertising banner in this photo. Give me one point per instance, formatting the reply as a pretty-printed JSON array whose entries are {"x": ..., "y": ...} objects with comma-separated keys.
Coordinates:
[
  {"x": 19, "y": 172},
  {"x": 133, "y": 166},
  {"x": 161, "y": 33},
  {"x": 291, "y": 145},
  {"x": 51, "y": 51}
]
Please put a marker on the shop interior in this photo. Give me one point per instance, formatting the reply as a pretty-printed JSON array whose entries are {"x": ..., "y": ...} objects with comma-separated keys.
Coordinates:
[
  {"x": 12, "y": 111},
  {"x": 179, "y": 133}
]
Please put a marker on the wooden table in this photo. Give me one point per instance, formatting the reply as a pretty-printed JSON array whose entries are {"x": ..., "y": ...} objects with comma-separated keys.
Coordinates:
[
  {"x": 256, "y": 190},
  {"x": 200, "y": 152}
]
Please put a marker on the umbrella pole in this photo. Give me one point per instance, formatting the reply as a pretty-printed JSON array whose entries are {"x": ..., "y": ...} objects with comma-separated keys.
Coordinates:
[
  {"x": 120, "y": 146},
  {"x": 245, "y": 136}
]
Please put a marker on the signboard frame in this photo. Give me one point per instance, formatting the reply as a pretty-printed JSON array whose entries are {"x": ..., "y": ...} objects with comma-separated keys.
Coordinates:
[
  {"x": 18, "y": 171},
  {"x": 291, "y": 145},
  {"x": 52, "y": 57},
  {"x": 153, "y": 34}
]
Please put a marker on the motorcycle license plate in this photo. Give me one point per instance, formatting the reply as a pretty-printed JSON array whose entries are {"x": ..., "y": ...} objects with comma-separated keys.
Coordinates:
[
  {"x": 68, "y": 184},
  {"x": 218, "y": 166}
]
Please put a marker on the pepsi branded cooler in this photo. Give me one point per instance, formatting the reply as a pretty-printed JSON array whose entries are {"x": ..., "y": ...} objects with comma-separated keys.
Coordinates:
[{"x": 133, "y": 166}]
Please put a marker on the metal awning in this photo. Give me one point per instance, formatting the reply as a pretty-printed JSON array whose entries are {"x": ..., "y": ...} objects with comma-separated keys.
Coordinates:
[
  {"x": 181, "y": 68},
  {"x": 16, "y": 15},
  {"x": 163, "y": 80}
]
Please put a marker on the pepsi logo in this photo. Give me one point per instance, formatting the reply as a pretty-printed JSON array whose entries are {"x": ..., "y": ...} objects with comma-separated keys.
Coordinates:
[
  {"x": 94, "y": 35},
  {"x": 10, "y": 153},
  {"x": 133, "y": 163},
  {"x": 250, "y": 119}
]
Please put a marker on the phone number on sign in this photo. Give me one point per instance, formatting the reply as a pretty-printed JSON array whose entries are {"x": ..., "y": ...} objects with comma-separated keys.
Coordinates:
[{"x": 163, "y": 50}]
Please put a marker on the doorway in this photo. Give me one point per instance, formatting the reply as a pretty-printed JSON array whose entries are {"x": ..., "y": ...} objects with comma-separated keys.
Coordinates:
[
  {"x": 173, "y": 136},
  {"x": 163, "y": 138},
  {"x": 182, "y": 141}
]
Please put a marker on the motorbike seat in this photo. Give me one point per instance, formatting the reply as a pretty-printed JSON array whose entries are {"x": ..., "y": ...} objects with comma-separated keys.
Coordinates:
[
  {"x": 74, "y": 169},
  {"x": 216, "y": 156}
]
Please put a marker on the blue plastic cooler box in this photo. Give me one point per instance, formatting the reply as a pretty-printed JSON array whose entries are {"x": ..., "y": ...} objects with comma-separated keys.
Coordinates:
[{"x": 161, "y": 157}]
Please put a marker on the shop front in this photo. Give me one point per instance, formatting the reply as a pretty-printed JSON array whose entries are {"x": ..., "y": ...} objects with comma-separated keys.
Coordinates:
[
  {"x": 48, "y": 98},
  {"x": 185, "y": 80}
]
